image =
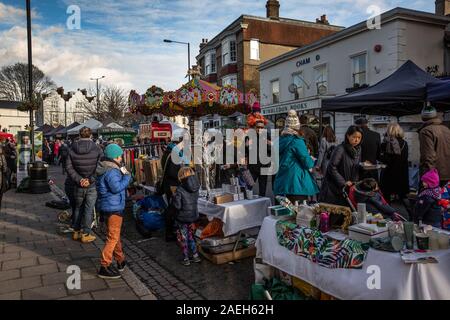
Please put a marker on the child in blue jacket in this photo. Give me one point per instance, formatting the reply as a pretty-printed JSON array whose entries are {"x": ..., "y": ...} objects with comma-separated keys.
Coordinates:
[{"x": 113, "y": 180}]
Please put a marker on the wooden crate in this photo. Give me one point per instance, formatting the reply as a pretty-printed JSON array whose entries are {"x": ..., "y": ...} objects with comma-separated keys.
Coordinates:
[
  {"x": 225, "y": 257},
  {"x": 309, "y": 290}
]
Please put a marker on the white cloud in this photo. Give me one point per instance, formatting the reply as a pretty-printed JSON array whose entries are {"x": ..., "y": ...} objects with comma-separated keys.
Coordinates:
[{"x": 10, "y": 15}]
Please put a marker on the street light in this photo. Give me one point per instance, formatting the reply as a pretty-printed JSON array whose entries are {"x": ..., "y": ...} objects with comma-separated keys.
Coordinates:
[
  {"x": 98, "y": 98},
  {"x": 189, "y": 53},
  {"x": 30, "y": 77}
]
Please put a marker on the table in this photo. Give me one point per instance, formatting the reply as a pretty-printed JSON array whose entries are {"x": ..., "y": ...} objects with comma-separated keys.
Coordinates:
[
  {"x": 399, "y": 281},
  {"x": 237, "y": 215}
]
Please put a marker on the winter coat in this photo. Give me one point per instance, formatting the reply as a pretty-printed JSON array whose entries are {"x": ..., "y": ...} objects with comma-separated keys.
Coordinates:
[
  {"x": 83, "y": 159},
  {"x": 395, "y": 177},
  {"x": 435, "y": 148},
  {"x": 170, "y": 177},
  {"x": 428, "y": 210},
  {"x": 293, "y": 177},
  {"x": 64, "y": 152},
  {"x": 325, "y": 151},
  {"x": 374, "y": 202},
  {"x": 370, "y": 146},
  {"x": 111, "y": 186},
  {"x": 311, "y": 139},
  {"x": 3, "y": 170},
  {"x": 343, "y": 167},
  {"x": 185, "y": 200}
]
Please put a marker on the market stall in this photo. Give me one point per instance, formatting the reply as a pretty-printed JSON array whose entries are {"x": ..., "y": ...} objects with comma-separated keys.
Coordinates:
[{"x": 397, "y": 279}]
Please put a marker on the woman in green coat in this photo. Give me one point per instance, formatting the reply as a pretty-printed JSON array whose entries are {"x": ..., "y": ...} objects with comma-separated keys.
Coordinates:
[{"x": 294, "y": 179}]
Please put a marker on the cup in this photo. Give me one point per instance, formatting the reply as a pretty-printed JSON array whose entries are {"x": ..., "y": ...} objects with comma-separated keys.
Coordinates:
[
  {"x": 249, "y": 194},
  {"x": 422, "y": 241},
  {"x": 409, "y": 234},
  {"x": 443, "y": 241}
]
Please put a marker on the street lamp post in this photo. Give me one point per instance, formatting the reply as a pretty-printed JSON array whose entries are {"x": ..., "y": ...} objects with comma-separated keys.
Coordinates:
[
  {"x": 189, "y": 53},
  {"x": 98, "y": 97},
  {"x": 30, "y": 78}
]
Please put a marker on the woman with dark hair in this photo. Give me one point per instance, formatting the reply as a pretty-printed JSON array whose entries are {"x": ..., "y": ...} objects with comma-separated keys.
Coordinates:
[
  {"x": 343, "y": 168},
  {"x": 327, "y": 145}
]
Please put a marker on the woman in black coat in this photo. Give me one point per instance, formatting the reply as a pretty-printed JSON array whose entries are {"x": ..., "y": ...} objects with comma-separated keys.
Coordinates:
[
  {"x": 394, "y": 154},
  {"x": 343, "y": 168}
]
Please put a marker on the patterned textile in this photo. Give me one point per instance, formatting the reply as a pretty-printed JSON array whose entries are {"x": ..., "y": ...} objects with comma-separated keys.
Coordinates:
[
  {"x": 312, "y": 245},
  {"x": 185, "y": 237},
  {"x": 434, "y": 193}
]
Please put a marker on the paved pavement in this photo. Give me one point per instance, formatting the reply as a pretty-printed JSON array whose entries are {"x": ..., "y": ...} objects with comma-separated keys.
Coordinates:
[{"x": 34, "y": 258}]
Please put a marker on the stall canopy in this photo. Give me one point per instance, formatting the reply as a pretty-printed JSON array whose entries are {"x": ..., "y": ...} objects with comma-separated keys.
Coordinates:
[
  {"x": 439, "y": 91},
  {"x": 45, "y": 128},
  {"x": 91, "y": 123},
  {"x": 402, "y": 93},
  {"x": 114, "y": 125},
  {"x": 52, "y": 132},
  {"x": 63, "y": 131}
]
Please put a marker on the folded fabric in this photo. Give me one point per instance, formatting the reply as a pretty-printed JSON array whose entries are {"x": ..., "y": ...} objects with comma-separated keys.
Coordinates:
[{"x": 313, "y": 245}]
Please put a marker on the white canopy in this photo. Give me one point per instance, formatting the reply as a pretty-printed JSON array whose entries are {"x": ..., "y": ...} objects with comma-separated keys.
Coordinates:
[
  {"x": 91, "y": 123},
  {"x": 114, "y": 125}
]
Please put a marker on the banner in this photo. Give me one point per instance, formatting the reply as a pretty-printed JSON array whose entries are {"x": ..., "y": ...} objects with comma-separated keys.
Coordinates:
[
  {"x": 38, "y": 137},
  {"x": 24, "y": 155}
]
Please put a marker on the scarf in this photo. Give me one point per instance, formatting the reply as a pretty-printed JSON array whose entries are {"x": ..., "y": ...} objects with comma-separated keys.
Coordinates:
[
  {"x": 353, "y": 152},
  {"x": 434, "y": 193},
  {"x": 289, "y": 131},
  {"x": 392, "y": 146}
]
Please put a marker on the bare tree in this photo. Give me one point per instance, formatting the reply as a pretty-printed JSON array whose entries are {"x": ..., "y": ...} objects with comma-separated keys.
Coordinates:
[
  {"x": 14, "y": 82},
  {"x": 113, "y": 104}
]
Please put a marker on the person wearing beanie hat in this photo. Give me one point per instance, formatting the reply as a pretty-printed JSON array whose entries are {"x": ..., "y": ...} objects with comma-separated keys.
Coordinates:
[
  {"x": 434, "y": 147},
  {"x": 427, "y": 208},
  {"x": 112, "y": 182},
  {"x": 294, "y": 179}
]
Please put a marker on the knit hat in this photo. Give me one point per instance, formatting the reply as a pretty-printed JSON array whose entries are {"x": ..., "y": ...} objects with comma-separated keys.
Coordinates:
[
  {"x": 431, "y": 178},
  {"x": 292, "y": 121},
  {"x": 113, "y": 151},
  {"x": 256, "y": 107},
  {"x": 429, "y": 112}
]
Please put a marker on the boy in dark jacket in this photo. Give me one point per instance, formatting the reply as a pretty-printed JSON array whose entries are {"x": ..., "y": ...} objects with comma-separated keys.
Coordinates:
[
  {"x": 427, "y": 207},
  {"x": 113, "y": 180},
  {"x": 185, "y": 201}
]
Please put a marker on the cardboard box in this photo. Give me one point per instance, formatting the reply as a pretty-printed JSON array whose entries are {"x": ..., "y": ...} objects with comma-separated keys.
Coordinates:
[
  {"x": 223, "y": 198},
  {"x": 226, "y": 257}
]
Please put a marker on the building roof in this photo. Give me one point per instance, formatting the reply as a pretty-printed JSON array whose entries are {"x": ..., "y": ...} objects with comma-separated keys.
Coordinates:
[
  {"x": 386, "y": 17},
  {"x": 6, "y": 104},
  {"x": 235, "y": 26}
]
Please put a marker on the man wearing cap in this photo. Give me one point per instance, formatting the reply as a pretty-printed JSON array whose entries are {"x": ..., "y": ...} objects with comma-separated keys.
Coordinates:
[
  {"x": 434, "y": 140},
  {"x": 370, "y": 147}
]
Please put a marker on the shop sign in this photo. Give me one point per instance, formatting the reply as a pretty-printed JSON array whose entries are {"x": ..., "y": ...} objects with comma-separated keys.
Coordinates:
[
  {"x": 303, "y": 62},
  {"x": 306, "y": 105},
  {"x": 145, "y": 131}
]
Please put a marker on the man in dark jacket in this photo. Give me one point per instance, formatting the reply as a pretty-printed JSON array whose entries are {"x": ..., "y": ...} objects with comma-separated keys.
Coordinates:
[
  {"x": 63, "y": 155},
  {"x": 81, "y": 166},
  {"x": 370, "y": 147},
  {"x": 255, "y": 168},
  {"x": 434, "y": 145},
  {"x": 310, "y": 136}
]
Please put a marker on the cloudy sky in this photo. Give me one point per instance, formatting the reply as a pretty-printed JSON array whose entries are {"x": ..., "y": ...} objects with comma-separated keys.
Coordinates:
[{"x": 123, "y": 39}]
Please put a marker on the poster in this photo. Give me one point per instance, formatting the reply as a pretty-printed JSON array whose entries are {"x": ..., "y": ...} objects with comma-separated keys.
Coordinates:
[
  {"x": 38, "y": 135},
  {"x": 24, "y": 154}
]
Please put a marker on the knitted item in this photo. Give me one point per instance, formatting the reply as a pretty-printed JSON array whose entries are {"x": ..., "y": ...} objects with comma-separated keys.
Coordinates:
[
  {"x": 431, "y": 178},
  {"x": 292, "y": 120},
  {"x": 434, "y": 193},
  {"x": 429, "y": 112}
]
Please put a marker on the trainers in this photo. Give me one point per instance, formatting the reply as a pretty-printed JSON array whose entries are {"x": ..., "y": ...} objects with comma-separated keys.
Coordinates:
[
  {"x": 86, "y": 238},
  {"x": 196, "y": 258},
  {"x": 108, "y": 273},
  {"x": 76, "y": 235},
  {"x": 121, "y": 266},
  {"x": 185, "y": 262}
]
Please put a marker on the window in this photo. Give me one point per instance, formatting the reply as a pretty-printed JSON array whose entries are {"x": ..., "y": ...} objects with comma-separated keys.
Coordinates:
[
  {"x": 228, "y": 50},
  {"x": 359, "y": 68},
  {"x": 78, "y": 105},
  {"x": 276, "y": 91},
  {"x": 54, "y": 117},
  {"x": 210, "y": 63},
  {"x": 254, "y": 49},
  {"x": 297, "y": 79},
  {"x": 54, "y": 104},
  {"x": 230, "y": 80},
  {"x": 321, "y": 79}
]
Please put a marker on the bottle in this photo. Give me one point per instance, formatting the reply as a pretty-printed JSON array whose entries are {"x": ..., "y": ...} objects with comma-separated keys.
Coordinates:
[{"x": 324, "y": 222}]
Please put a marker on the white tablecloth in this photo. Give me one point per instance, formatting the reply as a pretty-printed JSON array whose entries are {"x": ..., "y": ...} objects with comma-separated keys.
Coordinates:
[
  {"x": 237, "y": 215},
  {"x": 399, "y": 281}
]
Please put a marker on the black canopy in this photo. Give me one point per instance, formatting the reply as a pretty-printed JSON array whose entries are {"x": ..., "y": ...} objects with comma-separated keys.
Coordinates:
[{"x": 402, "y": 93}]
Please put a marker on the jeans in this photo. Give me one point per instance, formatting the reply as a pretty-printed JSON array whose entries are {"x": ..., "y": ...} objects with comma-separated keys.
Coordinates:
[
  {"x": 113, "y": 244},
  {"x": 83, "y": 216}
]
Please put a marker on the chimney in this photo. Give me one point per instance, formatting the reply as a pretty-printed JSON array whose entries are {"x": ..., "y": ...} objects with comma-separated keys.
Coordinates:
[
  {"x": 273, "y": 9},
  {"x": 323, "y": 20},
  {"x": 60, "y": 91},
  {"x": 443, "y": 7},
  {"x": 204, "y": 43}
]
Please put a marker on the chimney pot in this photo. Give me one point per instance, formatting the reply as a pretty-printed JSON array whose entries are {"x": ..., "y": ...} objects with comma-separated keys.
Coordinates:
[{"x": 273, "y": 9}]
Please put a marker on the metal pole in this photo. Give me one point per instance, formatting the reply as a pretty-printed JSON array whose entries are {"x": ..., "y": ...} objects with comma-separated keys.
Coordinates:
[
  {"x": 30, "y": 77},
  {"x": 98, "y": 104},
  {"x": 65, "y": 112},
  {"x": 189, "y": 60}
]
